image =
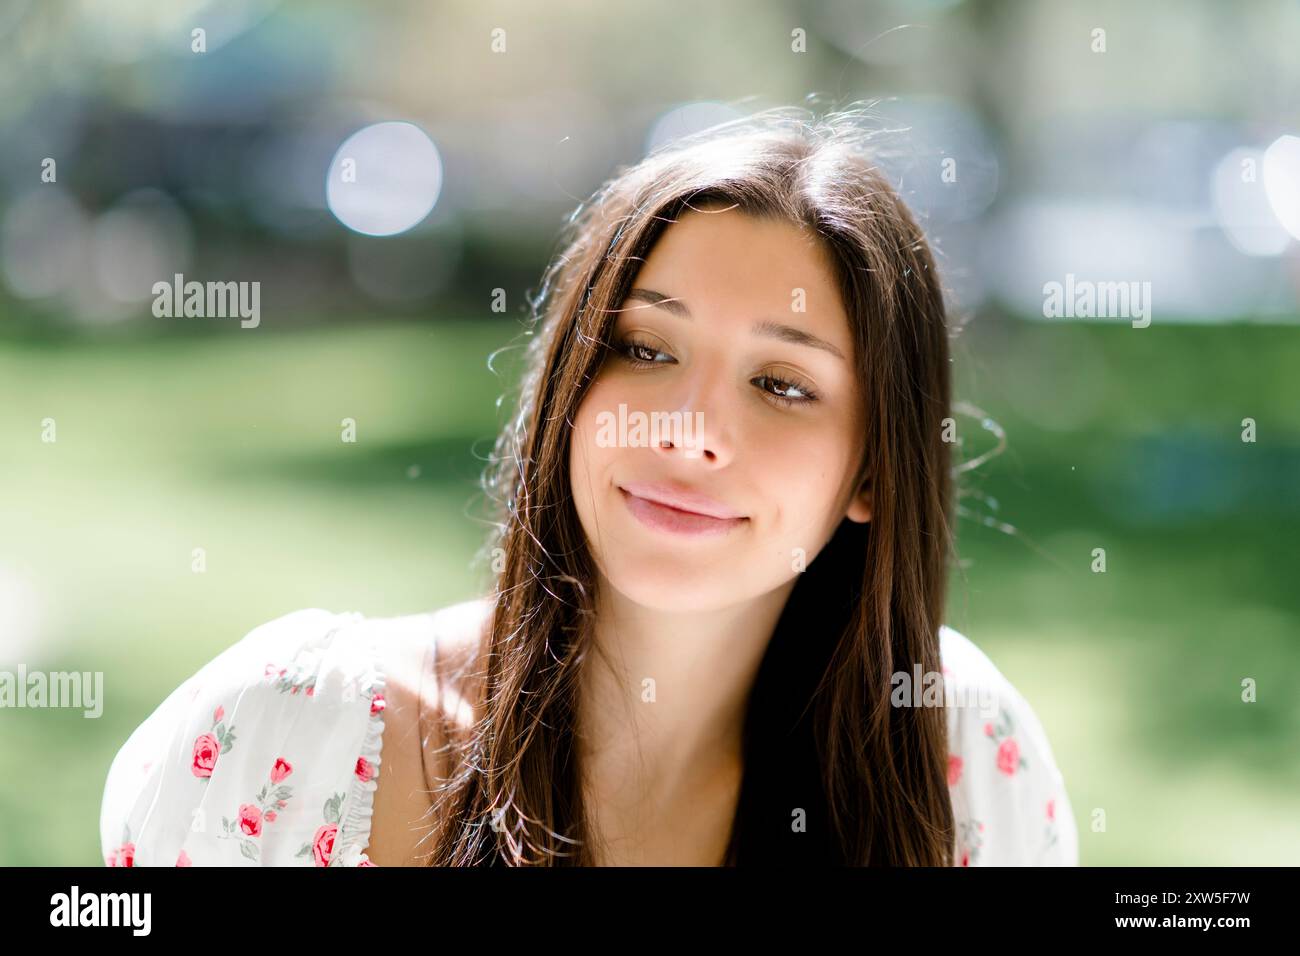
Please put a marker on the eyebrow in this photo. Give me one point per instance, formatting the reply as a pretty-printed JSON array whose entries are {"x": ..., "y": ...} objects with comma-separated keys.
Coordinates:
[{"x": 764, "y": 327}]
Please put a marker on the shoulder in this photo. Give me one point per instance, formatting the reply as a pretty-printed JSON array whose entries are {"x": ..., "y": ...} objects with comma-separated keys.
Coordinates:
[
  {"x": 427, "y": 660},
  {"x": 1010, "y": 803},
  {"x": 264, "y": 756}
]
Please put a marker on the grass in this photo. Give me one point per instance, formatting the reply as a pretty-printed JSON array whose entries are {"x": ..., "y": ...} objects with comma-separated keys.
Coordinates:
[{"x": 1122, "y": 439}]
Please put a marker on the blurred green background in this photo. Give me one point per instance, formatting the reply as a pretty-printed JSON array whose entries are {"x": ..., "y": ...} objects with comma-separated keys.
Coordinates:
[{"x": 174, "y": 435}]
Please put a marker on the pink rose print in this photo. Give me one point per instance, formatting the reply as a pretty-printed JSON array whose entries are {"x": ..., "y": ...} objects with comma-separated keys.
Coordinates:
[
  {"x": 377, "y": 704},
  {"x": 206, "y": 749},
  {"x": 302, "y": 678},
  {"x": 1050, "y": 830},
  {"x": 183, "y": 859},
  {"x": 954, "y": 769},
  {"x": 321, "y": 848},
  {"x": 969, "y": 840},
  {"x": 364, "y": 770},
  {"x": 250, "y": 819},
  {"x": 1008, "y": 756},
  {"x": 1009, "y": 759},
  {"x": 322, "y": 845},
  {"x": 281, "y": 770},
  {"x": 122, "y": 856},
  {"x": 365, "y": 862},
  {"x": 252, "y": 816}
]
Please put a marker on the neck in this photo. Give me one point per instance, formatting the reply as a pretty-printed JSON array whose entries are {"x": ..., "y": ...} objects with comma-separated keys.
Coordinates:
[{"x": 663, "y": 694}]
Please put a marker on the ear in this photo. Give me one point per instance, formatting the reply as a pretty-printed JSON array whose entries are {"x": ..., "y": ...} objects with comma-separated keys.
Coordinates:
[{"x": 860, "y": 504}]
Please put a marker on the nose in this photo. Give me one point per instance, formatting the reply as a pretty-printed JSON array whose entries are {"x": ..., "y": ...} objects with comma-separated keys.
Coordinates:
[{"x": 697, "y": 430}]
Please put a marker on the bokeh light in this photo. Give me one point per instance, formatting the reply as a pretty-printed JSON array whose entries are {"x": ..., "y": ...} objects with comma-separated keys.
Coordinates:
[
  {"x": 144, "y": 238},
  {"x": 1282, "y": 181},
  {"x": 384, "y": 179},
  {"x": 1241, "y": 205},
  {"x": 687, "y": 119},
  {"x": 41, "y": 242}
]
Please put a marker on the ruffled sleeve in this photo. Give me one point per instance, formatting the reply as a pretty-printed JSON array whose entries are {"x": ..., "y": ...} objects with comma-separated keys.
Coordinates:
[
  {"x": 1009, "y": 798},
  {"x": 268, "y": 755}
]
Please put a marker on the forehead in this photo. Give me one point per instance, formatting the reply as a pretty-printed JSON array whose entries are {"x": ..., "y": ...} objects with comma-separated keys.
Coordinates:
[{"x": 731, "y": 261}]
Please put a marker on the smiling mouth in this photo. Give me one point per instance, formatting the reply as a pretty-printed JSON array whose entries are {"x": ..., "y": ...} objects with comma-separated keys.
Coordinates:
[{"x": 661, "y": 517}]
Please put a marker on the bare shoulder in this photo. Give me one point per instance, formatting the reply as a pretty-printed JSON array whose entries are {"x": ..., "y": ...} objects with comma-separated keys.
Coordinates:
[{"x": 426, "y": 659}]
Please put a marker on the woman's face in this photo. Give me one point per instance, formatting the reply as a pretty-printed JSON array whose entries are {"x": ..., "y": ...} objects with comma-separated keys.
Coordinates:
[{"x": 769, "y": 426}]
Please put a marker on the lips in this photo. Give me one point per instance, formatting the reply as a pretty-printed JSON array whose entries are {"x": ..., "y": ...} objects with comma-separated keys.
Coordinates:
[
  {"x": 680, "y": 498},
  {"x": 660, "y": 516}
]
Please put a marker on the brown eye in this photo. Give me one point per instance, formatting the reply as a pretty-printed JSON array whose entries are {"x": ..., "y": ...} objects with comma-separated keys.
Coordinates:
[
  {"x": 780, "y": 389},
  {"x": 639, "y": 353}
]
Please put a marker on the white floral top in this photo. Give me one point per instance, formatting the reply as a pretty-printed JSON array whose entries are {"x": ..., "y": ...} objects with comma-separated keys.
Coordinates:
[
  {"x": 268, "y": 756},
  {"x": 1008, "y": 796}
]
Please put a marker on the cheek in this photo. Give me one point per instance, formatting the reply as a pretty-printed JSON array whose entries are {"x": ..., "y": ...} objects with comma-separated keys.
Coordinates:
[
  {"x": 580, "y": 448},
  {"x": 802, "y": 467},
  {"x": 588, "y": 462}
]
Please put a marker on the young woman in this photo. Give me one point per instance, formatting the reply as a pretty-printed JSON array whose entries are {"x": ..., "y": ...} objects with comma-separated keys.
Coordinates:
[{"x": 717, "y": 641}]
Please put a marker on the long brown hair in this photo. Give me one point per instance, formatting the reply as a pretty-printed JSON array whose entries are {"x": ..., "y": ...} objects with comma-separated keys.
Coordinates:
[{"x": 820, "y": 734}]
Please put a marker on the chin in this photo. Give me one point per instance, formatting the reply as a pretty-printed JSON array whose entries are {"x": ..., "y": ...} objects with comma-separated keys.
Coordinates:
[{"x": 660, "y": 583}]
